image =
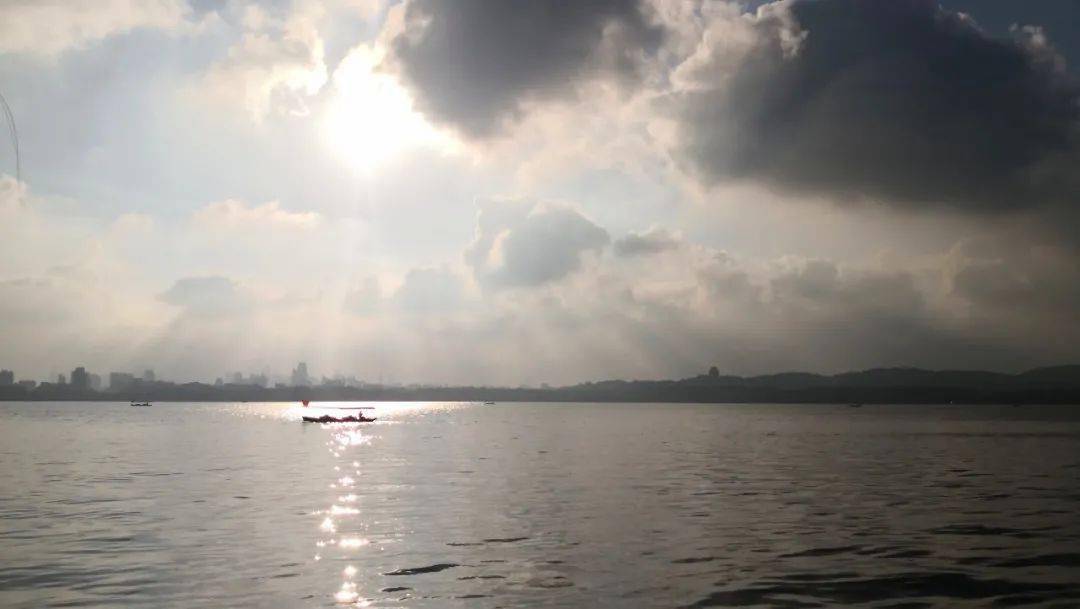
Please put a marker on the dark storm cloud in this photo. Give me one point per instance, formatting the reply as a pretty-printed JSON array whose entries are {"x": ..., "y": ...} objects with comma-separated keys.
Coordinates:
[
  {"x": 1060, "y": 19},
  {"x": 472, "y": 63},
  {"x": 898, "y": 101}
]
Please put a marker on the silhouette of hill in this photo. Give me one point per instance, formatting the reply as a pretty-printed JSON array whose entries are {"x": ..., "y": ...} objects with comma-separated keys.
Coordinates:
[
  {"x": 1050, "y": 385},
  {"x": 1056, "y": 375}
]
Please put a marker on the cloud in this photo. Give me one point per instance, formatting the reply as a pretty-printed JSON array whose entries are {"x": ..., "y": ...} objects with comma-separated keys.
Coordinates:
[
  {"x": 474, "y": 64},
  {"x": 901, "y": 102},
  {"x": 67, "y": 316},
  {"x": 1032, "y": 282},
  {"x": 207, "y": 296},
  {"x": 818, "y": 287},
  {"x": 50, "y": 28},
  {"x": 999, "y": 302},
  {"x": 653, "y": 241},
  {"x": 30, "y": 300},
  {"x": 365, "y": 298},
  {"x": 722, "y": 280},
  {"x": 429, "y": 291},
  {"x": 521, "y": 244},
  {"x": 13, "y": 195},
  {"x": 234, "y": 214},
  {"x": 748, "y": 282},
  {"x": 278, "y": 63}
]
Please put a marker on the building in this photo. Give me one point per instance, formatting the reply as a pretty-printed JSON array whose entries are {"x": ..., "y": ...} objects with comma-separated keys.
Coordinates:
[
  {"x": 28, "y": 384},
  {"x": 61, "y": 379},
  {"x": 120, "y": 381},
  {"x": 80, "y": 380},
  {"x": 7, "y": 377},
  {"x": 148, "y": 375},
  {"x": 95, "y": 382},
  {"x": 300, "y": 376}
]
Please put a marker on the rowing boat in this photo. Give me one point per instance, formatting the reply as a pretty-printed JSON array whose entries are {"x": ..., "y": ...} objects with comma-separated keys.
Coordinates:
[{"x": 346, "y": 419}]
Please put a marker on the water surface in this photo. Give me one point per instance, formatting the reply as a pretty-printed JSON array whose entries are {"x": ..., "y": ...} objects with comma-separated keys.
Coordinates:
[{"x": 553, "y": 505}]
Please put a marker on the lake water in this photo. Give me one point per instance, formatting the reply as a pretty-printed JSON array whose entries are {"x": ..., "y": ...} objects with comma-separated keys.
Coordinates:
[{"x": 530, "y": 505}]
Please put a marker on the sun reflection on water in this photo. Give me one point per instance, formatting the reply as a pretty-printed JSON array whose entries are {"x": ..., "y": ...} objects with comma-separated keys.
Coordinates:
[
  {"x": 347, "y": 594},
  {"x": 343, "y": 510},
  {"x": 353, "y": 542},
  {"x": 342, "y": 535}
]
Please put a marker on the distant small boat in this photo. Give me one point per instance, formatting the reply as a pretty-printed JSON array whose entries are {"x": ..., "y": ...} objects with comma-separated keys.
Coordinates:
[
  {"x": 855, "y": 405},
  {"x": 141, "y": 404},
  {"x": 346, "y": 419},
  {"x": 489, "y": 403}
]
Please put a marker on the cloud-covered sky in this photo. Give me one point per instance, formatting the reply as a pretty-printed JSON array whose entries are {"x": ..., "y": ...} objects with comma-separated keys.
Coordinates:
[{"x": 523, "y": 192}]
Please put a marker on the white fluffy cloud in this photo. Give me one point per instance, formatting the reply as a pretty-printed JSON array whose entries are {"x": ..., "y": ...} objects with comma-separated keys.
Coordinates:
[
  {"x": 232, "y": 214},
  {"x": 276, "y": 66},
  {"x": 49, "y": 28}
]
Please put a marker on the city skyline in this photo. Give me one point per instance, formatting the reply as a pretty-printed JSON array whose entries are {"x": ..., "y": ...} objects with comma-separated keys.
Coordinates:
[{"x": 119, "y": 380}]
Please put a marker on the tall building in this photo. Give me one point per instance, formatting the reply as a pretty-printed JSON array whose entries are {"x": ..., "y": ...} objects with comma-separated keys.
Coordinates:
[
  {"x": 80, "y": 379},
  {"x": 95, "y": 382},
  {"x": 61, "y": 379},
  {"x": 148, "y": 375},
  {"x": 7, "y": 377},
  {"x": 120, "y": 381},
  {"x": 300, "y": 376}
]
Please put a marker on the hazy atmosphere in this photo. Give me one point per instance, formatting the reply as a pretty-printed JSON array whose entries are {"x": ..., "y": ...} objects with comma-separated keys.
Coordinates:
[
  {"x": 517, "y": 193},
  {"x": 485, "y": 304}
]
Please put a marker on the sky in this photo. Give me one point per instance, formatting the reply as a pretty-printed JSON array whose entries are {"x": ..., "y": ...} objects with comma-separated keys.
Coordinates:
[{"x": 520, "y": 192}]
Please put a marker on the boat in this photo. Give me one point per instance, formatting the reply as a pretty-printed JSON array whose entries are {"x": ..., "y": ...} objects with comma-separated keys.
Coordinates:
[
  {"x": 489, "y": 403},
  {"x": 141, "y": 404},
  {"x": 341, "y": 418},
  {"x": 855, "y": 405},
  {"x": 359, "y": 418}
]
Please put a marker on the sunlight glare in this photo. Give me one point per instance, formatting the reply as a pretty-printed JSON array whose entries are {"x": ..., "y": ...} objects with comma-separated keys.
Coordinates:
[
  {"x": 347, "y": 594},
  {"x": 370, "y": 119},
  {"x": 353, "y": 542}
]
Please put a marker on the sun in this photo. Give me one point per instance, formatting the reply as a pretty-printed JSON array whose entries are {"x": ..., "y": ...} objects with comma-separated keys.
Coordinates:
[{"x": 370, "y": 119}]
